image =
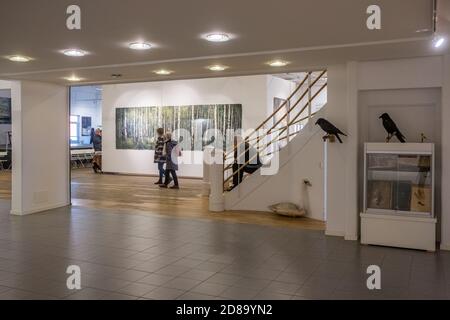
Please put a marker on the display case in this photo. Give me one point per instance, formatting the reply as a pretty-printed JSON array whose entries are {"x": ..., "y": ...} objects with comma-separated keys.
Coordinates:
[{"x": 399, "y": 195}]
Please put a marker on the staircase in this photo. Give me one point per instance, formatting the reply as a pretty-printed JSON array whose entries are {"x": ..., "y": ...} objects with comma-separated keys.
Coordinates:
[{"x": 281, "y": 138}]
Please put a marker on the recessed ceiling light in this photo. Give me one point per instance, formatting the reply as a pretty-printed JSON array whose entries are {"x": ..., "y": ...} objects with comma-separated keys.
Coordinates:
[
  {"x": 116, "y": 75},
  {"x": 278, "y": 63},
  {"x": 217, "y": 37},
  {"x": 73, "y": 78},
  {"x": 438, "y": 42},
  {"x": 74, "y": 52},
  {"x": 163, "y": 72},
  {"x": 18, "y": 58},
  {"x": 217, "y": 67},
  {"x": 140, "y": 45}
]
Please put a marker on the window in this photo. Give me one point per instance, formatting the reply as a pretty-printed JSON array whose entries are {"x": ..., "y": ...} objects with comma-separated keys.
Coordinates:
[{"x": 74, "y": 129}]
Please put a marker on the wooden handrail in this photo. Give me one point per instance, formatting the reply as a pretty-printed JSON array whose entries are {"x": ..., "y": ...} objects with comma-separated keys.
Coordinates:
[
  {"x": 273, "y": 113},
  {"x": 284, "y": 129},
  {"x": 285, "y": 115},
  {"x": 285, "y": 137}
]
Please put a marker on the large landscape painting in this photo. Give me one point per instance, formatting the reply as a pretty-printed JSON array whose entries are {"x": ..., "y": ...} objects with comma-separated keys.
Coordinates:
[
  {"x": 136, "y": 127},
  {"x": 5, "y": 110}
]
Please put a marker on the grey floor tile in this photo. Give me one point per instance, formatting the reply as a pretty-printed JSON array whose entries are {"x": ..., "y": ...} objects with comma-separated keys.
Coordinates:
[
  {"x": 87, "y": 294},
  {"x": 164, "y": 294},
  {"x": 173, "y": 270},
  {"x": 209, "y": 288},
  {"x": 237, "y": 293},
  {"x": 137, "y": 289},
  {"x": 150, "y": 257},
  {"x": 198, "y": 274},
  {"x": 184, "y": 284},
  {"x": 195, "y": 296},
  {"x": 156, "y": 279}
]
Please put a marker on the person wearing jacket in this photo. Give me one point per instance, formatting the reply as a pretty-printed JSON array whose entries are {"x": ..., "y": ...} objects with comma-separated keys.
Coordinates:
[
  {"x": 97, "y": 143},
  {"x": 172, "y": 152},
  {"x": 159, "y": 157},
  {"x": 246, "y": 159}
]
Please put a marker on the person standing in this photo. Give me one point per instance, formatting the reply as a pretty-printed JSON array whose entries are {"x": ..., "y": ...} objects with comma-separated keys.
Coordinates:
[
  {"x": 97, "y": 143},
  {"x": 92, "y": 136},
  {"x": 159, "y": 157},
  {"x": 172, "y": 152}
]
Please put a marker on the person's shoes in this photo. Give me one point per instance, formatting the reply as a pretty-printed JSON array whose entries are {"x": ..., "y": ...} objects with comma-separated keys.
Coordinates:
[
  {"x": 163, "y": 185},
  {"x": 175, "y": 187},
  {"x": 94, "y": 167},
  {"x": 158, "y": 182}
]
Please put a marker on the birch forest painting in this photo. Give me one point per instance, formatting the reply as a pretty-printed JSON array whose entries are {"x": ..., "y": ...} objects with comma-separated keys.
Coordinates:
[{"x": 136, "y": 127}]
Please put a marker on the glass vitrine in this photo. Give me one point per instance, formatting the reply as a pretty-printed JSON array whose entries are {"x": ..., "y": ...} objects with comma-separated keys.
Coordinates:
[{"x": 399, "y": 179}]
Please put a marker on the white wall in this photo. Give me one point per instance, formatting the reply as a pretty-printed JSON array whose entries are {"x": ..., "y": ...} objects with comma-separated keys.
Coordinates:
[
  {"x": 337, "y": 154},
  {"x": 445, "y": 121},
  {"x": 85, "y": 101},
  {"x": 403, "y": 82},
  {"x": 40, "y": 178},
  {"x": 250, "y": 91},
  {"x": 302, "y": 159}
]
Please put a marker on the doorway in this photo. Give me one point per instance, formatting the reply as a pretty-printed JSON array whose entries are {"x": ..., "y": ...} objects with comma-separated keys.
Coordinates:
[{"x": 5, "y": 148}]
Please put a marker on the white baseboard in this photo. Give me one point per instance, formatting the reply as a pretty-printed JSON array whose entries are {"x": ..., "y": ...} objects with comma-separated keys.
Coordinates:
[
  {"x": 40, "y": 209},
  {"x": 444, "y": 246},
  {"x": 351, "y": 237},
  {"x": 334, "y": 233}
]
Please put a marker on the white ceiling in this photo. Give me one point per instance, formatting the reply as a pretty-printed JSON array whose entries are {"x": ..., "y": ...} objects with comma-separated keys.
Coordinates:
[{"x": 308, "y": 33}]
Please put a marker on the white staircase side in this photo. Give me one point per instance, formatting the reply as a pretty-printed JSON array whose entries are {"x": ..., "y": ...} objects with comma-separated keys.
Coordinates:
[{"x": 300, "y": 159}]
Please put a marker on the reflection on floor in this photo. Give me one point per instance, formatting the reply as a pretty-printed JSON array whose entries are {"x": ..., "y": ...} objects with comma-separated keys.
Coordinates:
[{"x": 138, "y": 193}]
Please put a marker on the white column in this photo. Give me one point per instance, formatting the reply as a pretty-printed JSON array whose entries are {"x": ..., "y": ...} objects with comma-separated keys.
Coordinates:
[
  {"x": 40, "y": 138},
  {"x": 445, "y": 189},
  {"x": 351, "y": 168},
  {"x": 207, "y": 161},
  {"x": 216, "y": 198}
]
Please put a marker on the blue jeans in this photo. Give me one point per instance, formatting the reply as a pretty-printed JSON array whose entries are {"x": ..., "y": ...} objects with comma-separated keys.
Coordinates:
[{"x": 161, "y": 170}]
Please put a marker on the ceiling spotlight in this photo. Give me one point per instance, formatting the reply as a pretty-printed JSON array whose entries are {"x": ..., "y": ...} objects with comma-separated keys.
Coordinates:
[
  {"x": 217, "y": 37},
  {"x": 163, "y": 72},
  {"x": 74, "y": 52},
  {"x": 73, "y": 78},
  {"x": 278, "y": 63},
  {"x": 217, "y": 67},
  {"x": 438, "y": 42},
  {"x": 140, "y": 45},
  {"x": 19, "y": 58}
]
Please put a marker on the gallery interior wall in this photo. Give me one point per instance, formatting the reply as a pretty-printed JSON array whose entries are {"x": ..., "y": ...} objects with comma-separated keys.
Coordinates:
[
  {"x": 4, "y": 128},
  {"x": 250, "y": 91}
]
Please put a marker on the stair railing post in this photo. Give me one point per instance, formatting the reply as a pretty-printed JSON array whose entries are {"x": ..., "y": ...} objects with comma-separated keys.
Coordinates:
[
  {"x": 309, "y": 100},
  {"x": 216, "y": 173}
]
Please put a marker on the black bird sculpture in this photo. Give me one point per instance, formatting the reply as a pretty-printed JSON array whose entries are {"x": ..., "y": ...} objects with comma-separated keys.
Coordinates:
[
  {"x": 391, "y": 128},
  {"x": 329, "y": 128}
]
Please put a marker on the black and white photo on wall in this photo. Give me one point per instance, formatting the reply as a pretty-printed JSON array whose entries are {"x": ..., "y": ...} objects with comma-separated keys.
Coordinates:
[{"x": 86, "y": 125}]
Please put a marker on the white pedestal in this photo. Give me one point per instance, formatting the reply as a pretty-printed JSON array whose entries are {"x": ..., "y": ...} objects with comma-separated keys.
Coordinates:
[
  {"x": 399, "y": 231},
  {"x": 216, "y": 198}
]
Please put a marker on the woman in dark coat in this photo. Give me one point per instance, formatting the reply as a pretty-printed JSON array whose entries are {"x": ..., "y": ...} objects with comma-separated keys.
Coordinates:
[
  {"x": 159, "y": 157},
  {"x": 97, "y": 143},
  {"x": 172, "y": 152}
]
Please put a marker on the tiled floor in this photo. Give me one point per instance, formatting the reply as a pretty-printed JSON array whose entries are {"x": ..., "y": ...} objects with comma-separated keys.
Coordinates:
[{"x": 133, "y": 256}]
